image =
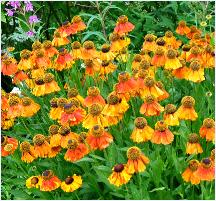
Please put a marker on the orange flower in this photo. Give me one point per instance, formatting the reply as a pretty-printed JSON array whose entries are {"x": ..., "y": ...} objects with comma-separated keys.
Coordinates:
[
  {"x": 193, "y": 30},
  {"x": 6, "y": 122},
  {"x": 149, "y": 43},
  {"x": 66, "y": 135},
  {"x": 71, "y": 183},
  {"x": 66, "y": 29},
  {"x": 8, "y": 145},
  {"x": 74, "y": 94},
  {"x": 91, "y": 67},
  {"x": 185, "y": 52},
  {"x": 28, "y": 152},
  {"x": 29, "y": 107},
  {"x": 207, "y": 130},
  {"x": 212, "y": 156},
  {"x": 49, "y": 181},
  {"x": 123, "y": 55},
  {"x": 75, "y": 151},
  {"x": 50, "y": 51},
  {"x": 50, "y": 84},
  {"x": 78, "y": 24},
  {"x": 57, "y": 107},
  {"x": 151, "y": 107},
  {"x": 41, "y": 61},
  {"x": 123, "y": 26},
  {"x": 15, "y": 108},
  {"x": 194, "y": 53},
  {"x": 19, "y": 77},
  {"x": 172, "y": 62},
  {"x": 126, "y": 87},
  {"x": 142, "y": 132},
  {"x": 208, "y": 57},
  {"x": 58, "y": 40},
  {"x": 171, "y": 41},
  {"x": 136, "y": 61},
  {"x": 76, "y": 51},
  {"x": 150, "y": 88},
  {"x": 54, "y": 136},
  {"x": 89, "y": 51},
  {"x": 8, "y": 65},
  {"x": 54, "y": 151},
  {"x": 98, "y": 138},
  {"x": 186, "y": 111},
  {"x": 25, "y": 62},
  {"x": 39, "y": 88},
  {"x": 41, "y": 146},
  {"x": 106, "y": 68},
  {"x": 63, "y": 61},
  {"x": 145, "y": 55},
  {"x": 193, "y": 145},
  {"x": 159, "y": 58},
  {"x": 120, "y": 175},
  {"x": 206, "y": 170},
  {"x": 162, "y": 134},
  {"x": 189, "y": 175},
  {"x": 137, "y": 161},
  {"x": 170, "y": 117},
  {"x": 165, "y": 95},
  {"x": 182, "y": 28},
  {"x": 73, "y": 114},
  {"x": 106, "y": 54},
  {"x": 182, "y": 72},
  {"x": 93, "y": 97},
  {"x": 95, "y": 117},
  {"x": 146, "y": 65},
  {"x": 118, "y": 43},
  {"x": 195, "y": 72}
]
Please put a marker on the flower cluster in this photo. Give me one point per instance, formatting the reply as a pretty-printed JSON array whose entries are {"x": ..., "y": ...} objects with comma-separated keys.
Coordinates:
[{"x": 37, "y": 69}]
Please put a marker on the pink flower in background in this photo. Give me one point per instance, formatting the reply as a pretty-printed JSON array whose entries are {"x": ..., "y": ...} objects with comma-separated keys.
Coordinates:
[
  {"x": 14, "y": 4},
  {"x": 30, "y": 33},
  {"x": 33, "y": 19},
  {"x": 28, "y": 6},
  {"x": 9, "y": 12}
]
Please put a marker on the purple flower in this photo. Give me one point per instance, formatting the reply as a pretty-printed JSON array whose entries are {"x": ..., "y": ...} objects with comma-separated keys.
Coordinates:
[
  {"x": 14, "y": 4},
  {"x": 9, "y": 12},
  {"x": 30, "y": 33},
  {"x": 33, "y": 19},
  {"x": 28, "y": 6}
]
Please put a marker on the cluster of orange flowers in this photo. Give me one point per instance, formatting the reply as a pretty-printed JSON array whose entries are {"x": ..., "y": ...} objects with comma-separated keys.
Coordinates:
[{"x": 94, "y": 112}]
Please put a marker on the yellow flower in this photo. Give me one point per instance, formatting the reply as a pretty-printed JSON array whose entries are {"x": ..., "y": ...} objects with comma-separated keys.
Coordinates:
[
  {"x": 71, "y": 183},
  {"x": 203, "y": 24},
  {"x": 208, "y": 17},
  {"x": 33, "y": 182}
]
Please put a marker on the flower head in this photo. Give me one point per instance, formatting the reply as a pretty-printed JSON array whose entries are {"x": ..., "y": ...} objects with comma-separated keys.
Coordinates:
[{"x": 33, "y": 19}]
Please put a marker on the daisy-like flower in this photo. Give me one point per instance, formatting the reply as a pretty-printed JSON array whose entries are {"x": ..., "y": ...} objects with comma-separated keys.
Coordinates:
[
  {"x": 15, "y": 108},
  {"x": 208, "y": 57},
  {"x": 162, "y": 134},
  {"x": 195, "y": 72},
  {"x": 136, "y": 61},
  {"x": 63, "y": 61},
  {"x": 126, "y": 87},
  {"x": 92, "y": 67},
  {"x": 206, "y": 170},
  {"x": 142, "y": 132},
  {"x": 207, "y": 130},
  {"x": 170, "y": 117},
  {"x": 50, "y": 84},
  {"x": 182, "y": 72},
  {"x": 8, "y": 145},
  {"x": 28, "y": 152},
  {"x": 106, "y": 54},
  {"x": 93, "y": 96},
  {"x": 151, "y": 107},
  {"x": 106, "y": 68},
  {"x": 25, "y": 62},
  {"x": 195, "y": 53},
  {"x": 76, "y": 51},
  {"x": 39, "y": 86},
  {"x": 159, "y": 58},
  {"x": 74, "y": 94},
  {"x": 29, "y": 107},
  {"x": 58, "y": 40},
  {"x": 89, "y": 51},
  {"x": 208, "y": 17},
  {"x": 182, "y": 28},
  {"x": 149, "y": 43},
  {"x": 123, "y": 55},
  {"x": 203, "y": 24},
  {"x": 8, "y": 65},
  {"x": 137, "y": 161},
  {"x": 193, "y": 30},
  {"x": 171, "y": 41},
  {"x": 6, "y": 122},
  {"x": 185, "y": 52},
  {"x": 95, "y": 117},
  {"x": 120, "y": 175},
  {"x": 50, "y": 51},
  {"x": 186, "y": 111},
  {"x": 150, "y": 88},
  {"x": 66, "y": 29},
  {"x": 71, "y": 183},
  {"x": 165, "y": 95},
  {"x": 193, "y": 145},
  {"x": 118, "y": 43},
  {"x": 41, "y": 146},
  {"x": 57, "y": 107},
  {"x": 19, "y": 77},
  {"x": 49, "y": 181},
  {"x": 189, "y": 174},
  {"x": 34, "y": 182},
  {"x": 172, "y": 62},
  {"x": 73, "y": 114},
  {"x": 146, "y": 65},
  {"x": 98, "y": 138},
  {"x": 55, "y": 137},
  {"x": 145, "y": 55},
  {"x": 123, "y": 26},
  {"x": 77, "y": 24},
  {"x": 41, "y": 60},
  {"x": 75, "y": 151}
]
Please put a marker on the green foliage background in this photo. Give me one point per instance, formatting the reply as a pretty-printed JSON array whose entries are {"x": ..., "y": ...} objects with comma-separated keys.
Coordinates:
[{"x": 162, "y": 178}]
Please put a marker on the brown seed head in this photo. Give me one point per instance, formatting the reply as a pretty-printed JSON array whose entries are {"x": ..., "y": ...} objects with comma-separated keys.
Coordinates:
[
  {"x": 193, "y": 138},
  {"x": 161, "y": 126},
  {"x": 133, "y": 153},
  {"x": 39, "y": 139},
  {"x": 140, "y": 122},
  {"x": 188, "y": 101}
]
